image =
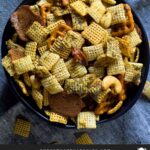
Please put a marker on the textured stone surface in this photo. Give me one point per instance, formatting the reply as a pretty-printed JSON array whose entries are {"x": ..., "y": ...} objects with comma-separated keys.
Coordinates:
[{"x": 133, "y": 127}]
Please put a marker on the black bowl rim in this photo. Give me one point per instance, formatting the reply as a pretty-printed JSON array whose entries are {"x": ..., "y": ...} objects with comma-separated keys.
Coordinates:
[{"x": 115, "y": 116}]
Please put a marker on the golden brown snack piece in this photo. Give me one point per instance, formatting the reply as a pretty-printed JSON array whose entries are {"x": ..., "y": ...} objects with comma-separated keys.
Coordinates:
[
  {"x": 126, "y": 27},
  {"x": 67, "y": 105},
  {"x": 84, "y": 139},
  {"x": 22, "y": 127},
  {"x": 59, "y": 31},
  {"x": 22, "y": 19},
  {"x": 45, "y": 8}
]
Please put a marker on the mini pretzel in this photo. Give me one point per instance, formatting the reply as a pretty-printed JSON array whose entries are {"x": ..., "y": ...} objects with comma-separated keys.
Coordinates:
[
  {"x": 126, "y": 27},
  {"x": 59, "y": 31},
  {"x": 44, "y": 9}
]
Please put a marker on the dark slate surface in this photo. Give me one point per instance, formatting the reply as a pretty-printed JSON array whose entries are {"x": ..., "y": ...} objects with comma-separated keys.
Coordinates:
[{"x": 133, "y": 127}]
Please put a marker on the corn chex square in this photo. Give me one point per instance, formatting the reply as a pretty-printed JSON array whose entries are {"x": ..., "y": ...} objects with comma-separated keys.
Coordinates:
[
  {"x": 22, "y": 127},
  {"x": 118, "y": 14},
  {"x": 80, "y": 7},
  {"x": 97, "y": 10},
  {"x": 23, "y": 65},
  {"x": 86, "y": 120},
  {"x": 94, "y": 33},
  {"x": 84, "y": 139}
]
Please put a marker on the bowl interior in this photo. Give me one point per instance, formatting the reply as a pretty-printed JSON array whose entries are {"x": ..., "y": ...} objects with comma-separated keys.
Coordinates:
[{"x": 132, "y": 95}]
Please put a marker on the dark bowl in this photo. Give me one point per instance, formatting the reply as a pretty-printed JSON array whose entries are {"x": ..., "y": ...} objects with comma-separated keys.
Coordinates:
[{"x": 132, "y": 96}]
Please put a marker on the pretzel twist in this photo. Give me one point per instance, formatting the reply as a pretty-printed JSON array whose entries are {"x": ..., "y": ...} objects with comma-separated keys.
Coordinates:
[
  {"x": 125, "y": 27},
  {"x": 59, "y": 31},
  {"x": 45, "y": 8}
]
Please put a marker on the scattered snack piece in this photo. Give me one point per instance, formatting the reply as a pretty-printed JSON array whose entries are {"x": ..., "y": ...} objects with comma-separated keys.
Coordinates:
[
  {"x": 44, "y": 60},
  {"x": 37, "y": 33},
  {"x": 22, "y": 127},
  {"x": 59, "y": 31},
  {"x": 94, "y": 33},
  {"x": 74, "y": 39},
  {"x": 98, "y": 71},
  {"x": 66, "y": 104},
  {"x": 54, "y": 25},
  {"x": 38, "y": 97},
  {"x": 92, "y": 52},
  {"x": 86, "y": 120},
  {"x": 61, "y": 47},
  {"x": 126, "y": 27},
  {"x": 41, "y": 71},
  {"x": 118, "y": 14},
  {"x": 80, "y": 7},
  {"x": 75, "y": 69},
  {"x": 7, "y": 64},
  {"x": 60, "y": 71},
  {"x": 134, "y": 38},
  {"x": 23, "y": 65},
  {"x": 52, "y": 85},
  {"x": 54, "y": 117},
  {"x": 51, "y": 18},
  {"x": 117, "y": 67},
  {"x": 78, "y": 86},
  {"x": 79, "y": 22},
  {"x": 31, "y": 49},
  {"x": 146, "y": 91},
  {"x": 133, "y": 72},
  {"x": 84, "y": 139},
  {"x": 96, "y": 10}
]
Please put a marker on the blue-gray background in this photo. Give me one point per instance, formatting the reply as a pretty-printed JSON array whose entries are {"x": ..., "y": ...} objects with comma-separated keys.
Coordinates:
[{"x": 131, "y": 128}]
